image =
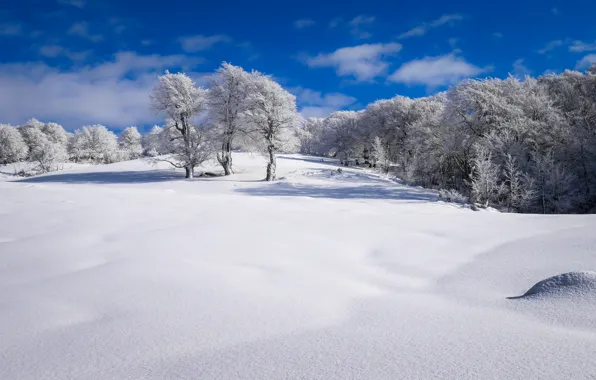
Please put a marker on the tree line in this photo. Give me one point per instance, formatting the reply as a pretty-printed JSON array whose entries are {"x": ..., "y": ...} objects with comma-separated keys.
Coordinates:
[{"x": 518, "y": 145}]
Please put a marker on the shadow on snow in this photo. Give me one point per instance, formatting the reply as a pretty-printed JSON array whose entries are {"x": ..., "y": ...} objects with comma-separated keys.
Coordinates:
[
  {"x": 109, "y": 177},
  {"x": 280, "y": 189}
]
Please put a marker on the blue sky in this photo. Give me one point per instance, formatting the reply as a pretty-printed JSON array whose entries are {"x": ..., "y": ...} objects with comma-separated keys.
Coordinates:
[{"x": 82, "y": 62}]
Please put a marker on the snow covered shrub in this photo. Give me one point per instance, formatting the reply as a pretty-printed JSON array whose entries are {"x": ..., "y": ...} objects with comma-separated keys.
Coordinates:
[
  {"x": 47, "y": 154},
  {"x": 153, "y": 144},
  {"x": 12, "y": 145},
  {"x": 452, "y": 196},
  {"x": 94, "y": 143},
  {"x": 130, "y": 143}
]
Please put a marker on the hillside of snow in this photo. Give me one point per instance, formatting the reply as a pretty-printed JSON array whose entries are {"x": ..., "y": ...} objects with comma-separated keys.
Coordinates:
[{"x": 129, "y": 271}]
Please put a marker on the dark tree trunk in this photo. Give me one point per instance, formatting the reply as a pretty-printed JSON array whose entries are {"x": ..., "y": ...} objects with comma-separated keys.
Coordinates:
[
  {"x": 271, "y": 166},
  {"x": 189, "y": 171}
]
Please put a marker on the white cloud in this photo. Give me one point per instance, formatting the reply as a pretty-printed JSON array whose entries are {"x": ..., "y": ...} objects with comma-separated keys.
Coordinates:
[
  {"x": 114, "y": 93},
  {"x": 192, "y": 44},
  {"x": 81, "y": 29},
  {"x": 74, "y": 3},
  {"x": 357, "y": 25},
  {"x": 363, "y": 62},
  {"x": 11, "y": 29},
  {"x": 580, "y": 46},
  {"x": 520, "y": 69},
  {"x": 362, "y": 20},
  {"x": 445, "y": 19},
  {"x": 54, "y": 51},
  {"x": 303, "y": 23},
  {"x": 586, "y": 61},
  {"x": 550, "y": 46},
  {"x": 435, "y": 71},
  {"x": 421, "y": 30},
  {"x": 314, "y": 104}
]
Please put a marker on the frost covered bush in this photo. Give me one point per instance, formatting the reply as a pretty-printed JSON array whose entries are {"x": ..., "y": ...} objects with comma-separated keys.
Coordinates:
[
  {"x": 94, "y": 143},
  {"x": 130, "y": 143},
  {"x": 452, "y": 196},
  {"x": 46, "y": 145}
]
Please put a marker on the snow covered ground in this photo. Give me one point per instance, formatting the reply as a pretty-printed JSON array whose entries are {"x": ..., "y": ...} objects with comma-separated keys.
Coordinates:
[{"x": 128, "y": 271}]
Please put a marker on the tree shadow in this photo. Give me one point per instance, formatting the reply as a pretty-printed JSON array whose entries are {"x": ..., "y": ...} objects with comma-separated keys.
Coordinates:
[
  {"x": 109, "y": 177},
  {"x": 280, "y": 189},
  {"x": 311, "y": 159}
]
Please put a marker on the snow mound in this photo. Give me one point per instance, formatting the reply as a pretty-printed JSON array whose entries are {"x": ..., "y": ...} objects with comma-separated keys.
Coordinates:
[{"x": 564, "y": 285}]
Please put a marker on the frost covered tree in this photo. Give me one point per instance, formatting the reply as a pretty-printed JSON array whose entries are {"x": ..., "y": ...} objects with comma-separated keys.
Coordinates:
[
  {"x": 56, "y": 134},
  {"x": 227, "y": 99},
  {"x": 380, "y": 157},
  {"x": 94, "y": 143},
  {"x": 181, "y": 101},
  {"x": 518, "y": 187},
  {"x": 271, "y": 118},
  {"x": 12, "y": 145},
  {"x": 42, "y": 151},
  {"x": 130, "y": 143},
  {"x": 152, "y": 142},
  {"x": 485, "y": 178}
]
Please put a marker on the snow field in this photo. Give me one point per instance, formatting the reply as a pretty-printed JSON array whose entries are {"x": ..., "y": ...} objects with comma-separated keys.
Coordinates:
[{"x": 128, "y": 271}]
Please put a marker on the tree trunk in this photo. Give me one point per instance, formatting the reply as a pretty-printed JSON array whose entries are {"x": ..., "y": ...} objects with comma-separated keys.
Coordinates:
[
  {"x": 272, "y": 163},
  {"x": 225, "y": 159},
  {"x": 189, "y": 171}
]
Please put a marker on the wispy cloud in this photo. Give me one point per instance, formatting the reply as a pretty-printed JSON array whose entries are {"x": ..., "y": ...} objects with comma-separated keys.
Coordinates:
[
  {"x": 113, "y": 93},
  {"x": 54, "y": 51},
  {"x": 303, "y": 23},
  {"x": 520, "y": 69},
  {"x": 550, "y": 46},
  {"x": 363, "y": 62},
  {"x": 192, "y": 44},
  {"x": 498, "y": 35},
  {"x": 421, "y": 30},
  {"x": 81, "y": 29},
  {"x": 358, "y": 25},
  {"x": 580, "y": 46},
  {"x": 74, "y": 3},
  {"x": 554, "y": 11},
  {"x": 316, "y": 104},
  {"x": 436, "y": 71},
  {"x": 586, "y": 62},
  {"x": 11, "y": 29}
]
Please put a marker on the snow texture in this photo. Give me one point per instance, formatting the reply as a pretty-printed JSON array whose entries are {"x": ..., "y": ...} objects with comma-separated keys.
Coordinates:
[{"x": 129, "y": 271}]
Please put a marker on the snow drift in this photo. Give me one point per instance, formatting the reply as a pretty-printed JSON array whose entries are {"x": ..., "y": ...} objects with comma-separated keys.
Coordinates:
[{"x": 570, "y": 284}]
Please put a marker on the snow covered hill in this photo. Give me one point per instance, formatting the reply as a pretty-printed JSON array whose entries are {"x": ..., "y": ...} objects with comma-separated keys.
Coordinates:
[{"x": 128, "y": 271}]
